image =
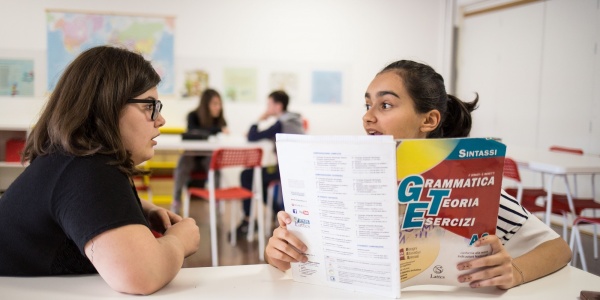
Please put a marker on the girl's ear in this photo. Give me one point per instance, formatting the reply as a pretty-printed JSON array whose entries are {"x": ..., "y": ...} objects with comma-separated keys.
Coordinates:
[{"x": 431, "y": 120}]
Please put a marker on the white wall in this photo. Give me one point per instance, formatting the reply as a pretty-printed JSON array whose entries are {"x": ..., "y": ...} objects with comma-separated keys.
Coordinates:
[
  {"x": 537, "y": 70},
  {"x": 357, "y": 37}
]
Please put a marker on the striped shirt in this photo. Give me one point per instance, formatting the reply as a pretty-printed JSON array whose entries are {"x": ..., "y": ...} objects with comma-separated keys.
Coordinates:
[{"x": 518, "y": 229}]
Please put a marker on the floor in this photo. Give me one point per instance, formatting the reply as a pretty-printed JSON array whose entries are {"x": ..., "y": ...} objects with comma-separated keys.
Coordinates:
[{"x": 247, "y": 252}]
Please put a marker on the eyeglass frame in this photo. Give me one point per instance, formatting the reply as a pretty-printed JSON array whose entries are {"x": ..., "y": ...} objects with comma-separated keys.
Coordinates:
[{"x": 155, "y": 103}]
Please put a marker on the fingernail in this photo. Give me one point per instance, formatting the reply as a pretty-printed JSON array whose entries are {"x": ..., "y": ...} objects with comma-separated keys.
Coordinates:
[
  {"x": 304, "y": 259},
  {"x": 288, "y": 221}
]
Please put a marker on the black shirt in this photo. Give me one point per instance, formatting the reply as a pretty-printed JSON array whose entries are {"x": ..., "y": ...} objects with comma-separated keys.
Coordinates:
[{"x": 55, "y": 207}]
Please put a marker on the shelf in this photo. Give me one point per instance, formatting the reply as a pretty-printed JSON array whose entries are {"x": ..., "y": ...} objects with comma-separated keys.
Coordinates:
[{"x": 5, "y": 164}]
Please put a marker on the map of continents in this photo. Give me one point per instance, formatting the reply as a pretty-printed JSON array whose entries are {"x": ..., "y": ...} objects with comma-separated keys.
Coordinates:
[{"x": 71, "y": 33}]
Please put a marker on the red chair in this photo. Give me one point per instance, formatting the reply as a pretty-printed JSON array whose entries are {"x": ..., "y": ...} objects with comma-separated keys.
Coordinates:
[
  {"x": 224, "y": 158},
  {"x": 575, "y": 243},
  {"x": 578, "y": 204},
  {"x": 527, "y": 197}
]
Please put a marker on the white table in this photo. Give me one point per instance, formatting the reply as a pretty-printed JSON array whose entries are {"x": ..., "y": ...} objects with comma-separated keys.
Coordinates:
[
  {"x": 193, "y": 147},
  {"x": 265, "y": 282},
  {"x": 555, "y": 164}
]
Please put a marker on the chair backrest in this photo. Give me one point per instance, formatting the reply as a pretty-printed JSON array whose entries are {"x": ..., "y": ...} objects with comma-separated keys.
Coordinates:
[
  {"x": 566, "y": 149},
  {"x": 511, "y": 170},
  {"x": 232, "y": 157}
]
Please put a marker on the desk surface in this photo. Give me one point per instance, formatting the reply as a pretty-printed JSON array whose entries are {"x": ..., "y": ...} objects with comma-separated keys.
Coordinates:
[
  {"x": 174, "y": 142},
  {"x": 546, "y": 161},
  {"x": 265, "y": 282}
]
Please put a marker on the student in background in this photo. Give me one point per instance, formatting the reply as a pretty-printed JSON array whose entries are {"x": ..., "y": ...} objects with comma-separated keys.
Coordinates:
[
  {"x": 75, "y": 210},
  {"x": 207, "y": 119},
  {"x": 287, "y": 122},
  {"x": 408, "y": 100}
]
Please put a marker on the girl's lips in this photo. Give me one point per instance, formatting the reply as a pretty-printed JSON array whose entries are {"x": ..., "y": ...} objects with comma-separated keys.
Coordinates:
[{"x": 373, "y": 132}]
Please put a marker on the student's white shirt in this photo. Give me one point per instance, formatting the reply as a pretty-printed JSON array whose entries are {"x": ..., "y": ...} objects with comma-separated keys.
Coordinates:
[{"x": 518, "y": 229}]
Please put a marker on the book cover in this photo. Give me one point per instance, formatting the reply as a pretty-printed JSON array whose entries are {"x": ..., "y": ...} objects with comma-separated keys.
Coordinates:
[{"x": 448, "y": 195}]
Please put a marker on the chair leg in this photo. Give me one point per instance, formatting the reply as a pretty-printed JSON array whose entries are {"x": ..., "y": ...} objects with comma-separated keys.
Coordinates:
[
  {"x": 577, "y": 236},
  {"x": 252, "y": 219},
  {"x": 185, "y": 203},
  {"x": 232, "y": 222},
  {"x": 573, "y": 247},
  {"x": 565, "y": 226},
  {"x": 261, "y": 230},
  {"x": 269, "y": 212},
  {"x": 213, "y": 232}
]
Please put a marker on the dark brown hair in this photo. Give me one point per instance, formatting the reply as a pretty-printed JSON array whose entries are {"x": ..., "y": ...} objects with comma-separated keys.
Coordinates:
[
  {"x": 81, "y": 116},
  {"x": 203, "y": 110},
  {"x": 426, "y": 88},
  {"x": 280, "y": 97}
]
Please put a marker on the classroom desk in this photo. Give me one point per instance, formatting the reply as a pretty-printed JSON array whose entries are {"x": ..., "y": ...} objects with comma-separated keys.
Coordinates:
[
  {"x": 555, "y": 164},
  {"x": 265, "y": 282},
  {"x": 195, "y": 147}
]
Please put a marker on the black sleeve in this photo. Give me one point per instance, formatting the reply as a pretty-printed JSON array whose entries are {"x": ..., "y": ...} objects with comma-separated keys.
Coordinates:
[
  {"x": 269, "y": 133},
  {"x": 92, "y": 197},
  {"x": 192, "y": 121}
]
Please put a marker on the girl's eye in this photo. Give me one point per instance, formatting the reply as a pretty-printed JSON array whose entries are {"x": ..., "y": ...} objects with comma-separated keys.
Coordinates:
[
  {"x": 367, "y": 106},
  {"x": 386, "y": 105},
  {"x": 149, "y": 107}
]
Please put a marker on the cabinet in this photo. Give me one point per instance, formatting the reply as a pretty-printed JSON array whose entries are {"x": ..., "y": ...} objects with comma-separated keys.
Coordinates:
[
  {"x": 10, "y": 170},
  {"x": 158, "y": 186}
]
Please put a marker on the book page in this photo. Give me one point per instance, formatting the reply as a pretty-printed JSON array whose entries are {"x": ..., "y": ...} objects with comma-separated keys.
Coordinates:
[{"x": 340, "y": 194}]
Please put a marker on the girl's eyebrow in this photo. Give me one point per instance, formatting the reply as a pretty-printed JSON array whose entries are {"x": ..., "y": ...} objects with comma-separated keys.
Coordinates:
[{"x": 381, "y": 94}]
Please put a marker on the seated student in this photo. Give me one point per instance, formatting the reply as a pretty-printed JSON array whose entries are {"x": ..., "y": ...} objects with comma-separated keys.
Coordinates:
[
  {"x": 74, "y": 209},
  {"x": 408, "y": 100},
  {"x": 287, "y": 122},
  {"x": 207, "y": 118}
]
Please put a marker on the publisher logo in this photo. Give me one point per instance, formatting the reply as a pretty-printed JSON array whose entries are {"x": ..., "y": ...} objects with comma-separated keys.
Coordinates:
[
  {"x": 438, "y": 269},
  {"x": 301, "y": 222}
]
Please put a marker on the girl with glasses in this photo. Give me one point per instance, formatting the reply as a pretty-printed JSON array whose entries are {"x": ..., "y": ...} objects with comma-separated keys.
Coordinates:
[{"x": 75, "y": 210}]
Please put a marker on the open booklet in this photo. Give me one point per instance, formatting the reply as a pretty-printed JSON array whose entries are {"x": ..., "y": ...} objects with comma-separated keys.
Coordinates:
[{"x": 378, "y": 214}]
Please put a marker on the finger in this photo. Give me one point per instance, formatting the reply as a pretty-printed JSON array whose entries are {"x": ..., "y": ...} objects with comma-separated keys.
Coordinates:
[
  {"x": 289, "y": 238},
  {"x": 175, "y": 218},
  {"x": 494, "y": 276},
  {"x": 499, "y": 255},
  {"x": 283, "y": 219},
  {"x": 491, "y": 240},
  {"x": 281, "y": 250}
]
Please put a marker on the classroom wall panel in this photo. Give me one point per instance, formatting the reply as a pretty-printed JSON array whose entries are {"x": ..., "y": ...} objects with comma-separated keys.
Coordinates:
[{"x": 355, "y": 37}]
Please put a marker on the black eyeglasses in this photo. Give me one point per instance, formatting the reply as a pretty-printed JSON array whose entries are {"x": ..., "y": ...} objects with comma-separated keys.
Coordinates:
[{"x": 156, "y": 106}]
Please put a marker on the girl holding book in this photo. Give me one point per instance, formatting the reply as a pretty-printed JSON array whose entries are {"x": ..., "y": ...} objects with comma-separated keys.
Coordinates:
[{"x": 409, "y": 100}]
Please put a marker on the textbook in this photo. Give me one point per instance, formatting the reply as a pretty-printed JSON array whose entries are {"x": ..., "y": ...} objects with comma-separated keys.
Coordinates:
[{"x": 379, "y": 214}]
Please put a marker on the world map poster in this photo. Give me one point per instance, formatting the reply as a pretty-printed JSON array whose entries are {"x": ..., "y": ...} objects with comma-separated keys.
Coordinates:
[{"x": 70, "y": 33}]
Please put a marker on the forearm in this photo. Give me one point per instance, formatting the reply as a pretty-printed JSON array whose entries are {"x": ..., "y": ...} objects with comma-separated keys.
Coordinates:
[
  {"x": 132, "y": 261},
  {"x": 544, "y": 259}
]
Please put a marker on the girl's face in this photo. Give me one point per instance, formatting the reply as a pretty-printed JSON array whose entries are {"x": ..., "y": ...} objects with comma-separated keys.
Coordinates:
[
  {"x": 391, "y": 111},
  {"x": 215, "y": 106},
  {"x": 137, "y": 128}
]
